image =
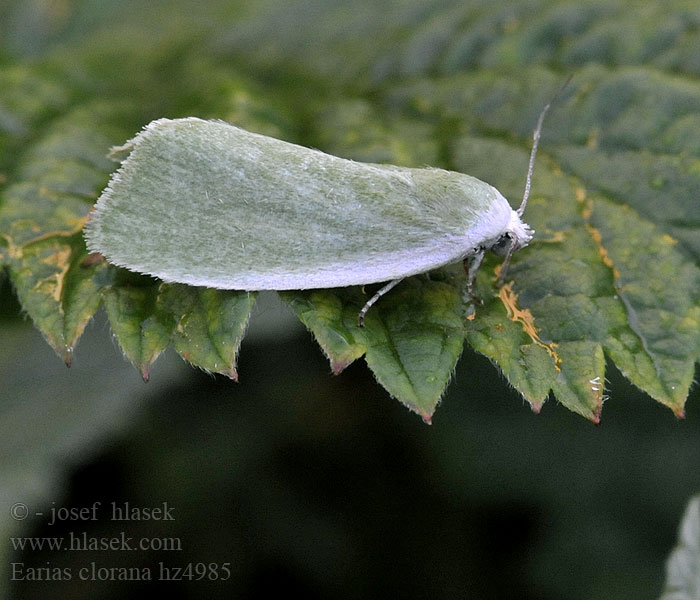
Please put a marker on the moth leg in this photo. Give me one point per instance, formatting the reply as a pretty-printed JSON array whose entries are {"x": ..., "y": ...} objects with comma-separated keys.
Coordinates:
[
  {"x": 506, "y": 261},
  {"x": 383, "y": 290},
  {"x": 471, "y": 266}
]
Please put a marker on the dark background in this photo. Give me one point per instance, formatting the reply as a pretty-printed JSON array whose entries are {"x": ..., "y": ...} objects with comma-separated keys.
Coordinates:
[{"x": 324, "y": 486}]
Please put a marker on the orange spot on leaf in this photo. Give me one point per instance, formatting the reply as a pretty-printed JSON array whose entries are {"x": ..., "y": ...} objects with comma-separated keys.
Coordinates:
[
  {"x": 602, "y": 251},
  {"x": 526, "y": 320}
]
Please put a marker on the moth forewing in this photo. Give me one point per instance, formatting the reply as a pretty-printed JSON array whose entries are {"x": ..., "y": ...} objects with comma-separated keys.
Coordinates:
[{"x": 206, "y": 203}]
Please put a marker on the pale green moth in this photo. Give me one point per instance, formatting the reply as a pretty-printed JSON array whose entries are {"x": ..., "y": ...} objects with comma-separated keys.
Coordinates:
[{"x": 209, "y": 204}]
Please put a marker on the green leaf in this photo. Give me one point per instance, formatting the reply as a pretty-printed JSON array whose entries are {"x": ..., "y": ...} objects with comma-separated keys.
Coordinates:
[
  {"x": 586, "y": 277},
  {"x": 207, "y": 325},
  {"x": 41, "y": 222},
  {"x": 55, "y": 182},
  {"x": 328, "y": 314},
  {"x": 58, "y": 296},
  {"x": 612, "y": 272},
  {"x": 131, "y": 308},
  {"x": 657, "y": 345},
  {"x": 683, "y": 566},
  {"x": 411, "y": 340},
  {"x": 505, "y": 333}
]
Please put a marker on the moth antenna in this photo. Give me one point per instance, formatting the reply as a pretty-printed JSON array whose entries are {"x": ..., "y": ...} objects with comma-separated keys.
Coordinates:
[{"x": 535, "y": 143}]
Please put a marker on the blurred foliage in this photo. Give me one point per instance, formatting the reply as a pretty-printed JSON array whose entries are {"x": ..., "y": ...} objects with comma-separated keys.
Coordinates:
[
  {"x": 683, "y": 567},
  {"x": 319, "y": 485}
]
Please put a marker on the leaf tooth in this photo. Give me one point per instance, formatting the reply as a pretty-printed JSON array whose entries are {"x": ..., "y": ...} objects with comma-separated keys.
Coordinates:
[{"x": 67, "y": 355}]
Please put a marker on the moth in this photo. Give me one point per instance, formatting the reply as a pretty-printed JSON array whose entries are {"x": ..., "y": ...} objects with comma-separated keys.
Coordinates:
[{"x": 207, "y": 203}]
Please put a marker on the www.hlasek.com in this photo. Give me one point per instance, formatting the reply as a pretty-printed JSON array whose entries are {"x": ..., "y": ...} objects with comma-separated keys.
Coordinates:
[
  {"x": 93, "y": 572},
  {"x": 81, "y": 541}
]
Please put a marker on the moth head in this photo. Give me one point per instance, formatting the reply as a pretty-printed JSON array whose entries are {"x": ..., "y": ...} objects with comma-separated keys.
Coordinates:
[{"x": 516, "y": 235}]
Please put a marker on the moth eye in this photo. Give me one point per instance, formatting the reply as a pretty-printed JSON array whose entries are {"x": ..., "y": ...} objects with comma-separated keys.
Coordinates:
[{"x": 502, "y": 245}]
